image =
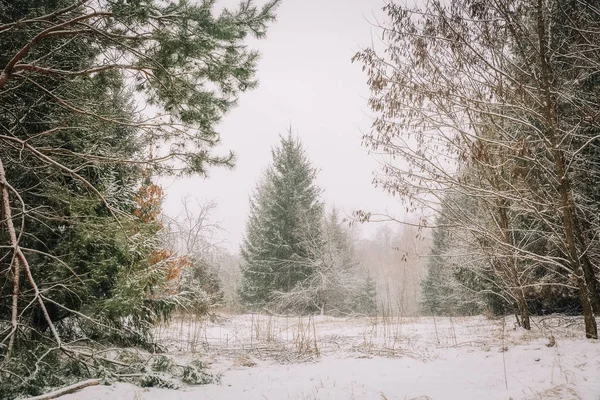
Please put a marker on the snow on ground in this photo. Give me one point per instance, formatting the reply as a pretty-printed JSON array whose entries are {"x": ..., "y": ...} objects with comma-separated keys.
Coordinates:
[{"x": 264, "y": 357}]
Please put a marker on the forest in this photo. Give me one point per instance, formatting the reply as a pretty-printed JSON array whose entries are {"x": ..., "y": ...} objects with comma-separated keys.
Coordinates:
[{"x": 484, "y": 124}]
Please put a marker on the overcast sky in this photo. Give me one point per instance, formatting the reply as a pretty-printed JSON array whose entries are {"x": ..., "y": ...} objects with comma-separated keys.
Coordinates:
[{"x": 306, "y": 80}]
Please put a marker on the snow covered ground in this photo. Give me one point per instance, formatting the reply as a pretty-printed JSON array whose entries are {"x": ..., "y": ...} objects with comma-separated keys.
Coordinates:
[{"x": 262, "y": 357}]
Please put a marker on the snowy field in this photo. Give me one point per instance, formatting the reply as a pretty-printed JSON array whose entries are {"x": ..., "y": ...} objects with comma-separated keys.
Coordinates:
[{"x": 262, "y": 357}]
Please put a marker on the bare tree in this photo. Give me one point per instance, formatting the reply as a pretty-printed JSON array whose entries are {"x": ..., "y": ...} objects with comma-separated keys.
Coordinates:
[
  {"x": 193, "y": 236},
  {"x": 193, "y": 231},
  {"x": 469, "y": 99}
]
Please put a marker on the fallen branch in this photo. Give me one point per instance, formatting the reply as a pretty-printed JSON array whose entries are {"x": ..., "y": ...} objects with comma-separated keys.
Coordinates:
[{"x": 67, "y": 390}]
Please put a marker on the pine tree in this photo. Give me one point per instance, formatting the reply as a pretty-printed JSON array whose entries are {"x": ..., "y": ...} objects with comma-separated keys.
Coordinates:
[
  {"x": 81, "y": 265},
  {"x": 284, "y": 225}
]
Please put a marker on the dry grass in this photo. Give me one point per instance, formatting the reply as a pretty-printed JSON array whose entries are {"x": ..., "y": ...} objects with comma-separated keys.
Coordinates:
[
  {"x": 562, "y": 392},
  {"x": 247, "y": 339},
  {"x": 284, "y": 339},
  {"x": 243, "y": 361}
]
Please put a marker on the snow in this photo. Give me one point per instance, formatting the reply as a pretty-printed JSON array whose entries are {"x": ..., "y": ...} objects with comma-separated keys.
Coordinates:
[{"x": 262, "y": 357}]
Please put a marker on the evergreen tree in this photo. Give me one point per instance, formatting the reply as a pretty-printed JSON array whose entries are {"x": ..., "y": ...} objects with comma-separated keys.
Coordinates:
[
  {"x": 434, "y": 287},
  {"x": 81, "y": 251},
  {"x": 454, "y": 284},
  {"x": 284, "y": 226},
  {"x": 339, "y": 241},
  {"x": 342, "y": 286},
  {"x": 365, "y": 301}
]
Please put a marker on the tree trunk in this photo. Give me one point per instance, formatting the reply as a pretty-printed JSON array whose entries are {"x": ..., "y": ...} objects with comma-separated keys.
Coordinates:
[
  {"x": 67, "y": 390},
  {"x": 524, "y": 311},
  {"x": 586, "y": 287},
  {"x": 591, "y": 329},
  {"x": 512, "y": 269},
  {"x": 19, "y": 256},
  {"x": 15, "y": 262},
  {"x": 589, "y": 274}
]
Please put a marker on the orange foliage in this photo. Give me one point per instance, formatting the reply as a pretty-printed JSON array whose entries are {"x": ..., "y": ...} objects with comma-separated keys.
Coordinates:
[
  {"x": 149, "y": 199},
  {"x": 174, "y": 264}
]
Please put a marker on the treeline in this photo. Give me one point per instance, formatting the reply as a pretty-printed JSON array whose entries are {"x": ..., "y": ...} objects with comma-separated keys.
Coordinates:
[{"x": 489, "y": 111}]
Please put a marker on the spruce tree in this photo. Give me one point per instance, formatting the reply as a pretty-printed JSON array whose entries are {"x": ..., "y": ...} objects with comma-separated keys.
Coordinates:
[
  {"x": 433, "y": 286},
  {"x": 339, "y": 241},
  {"x": 343, "y": 288},
  {"x": 456, "y": 284},
  {"x": 365, "y": 301},
  {"x": 284, "y": 226}
]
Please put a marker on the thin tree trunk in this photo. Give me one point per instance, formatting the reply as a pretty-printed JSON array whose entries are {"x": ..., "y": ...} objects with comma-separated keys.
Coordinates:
[
  {"x": 512, "y": 268},
  {"x": 15, "y": 264},
  {"x": 565, "y": 196},
  {"x": 525, "y": 320},
  {"x": 591, "y": 329},
  {"x": 588, "y": 271},
  {"x": 18, "y": 253},
  {"x": 67, "y": 390}
]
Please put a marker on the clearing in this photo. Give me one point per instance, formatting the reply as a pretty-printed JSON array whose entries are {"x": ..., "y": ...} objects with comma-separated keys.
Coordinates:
[{"x": 266, "y": 357}]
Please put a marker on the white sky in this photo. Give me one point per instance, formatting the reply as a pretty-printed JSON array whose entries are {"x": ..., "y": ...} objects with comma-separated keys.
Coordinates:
[{"x": 306, "y": 80}]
